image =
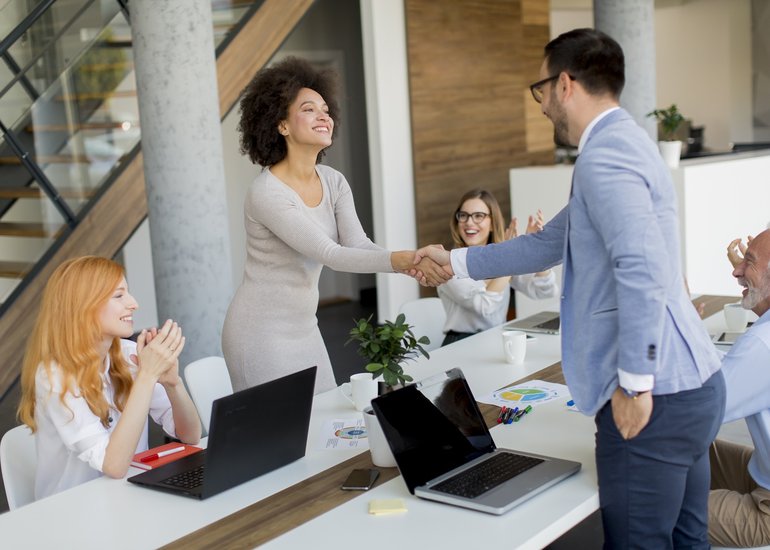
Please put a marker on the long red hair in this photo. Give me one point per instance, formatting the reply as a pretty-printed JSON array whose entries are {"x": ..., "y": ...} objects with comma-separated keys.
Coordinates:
[{"x": 67, "y": 334}]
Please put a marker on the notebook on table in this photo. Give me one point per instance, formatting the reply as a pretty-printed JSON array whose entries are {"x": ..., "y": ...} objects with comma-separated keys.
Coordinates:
[
  {"x": 445, "y": 452},
  {"x": 546, "y": 322},
  {"x": 252, "y": 432}
]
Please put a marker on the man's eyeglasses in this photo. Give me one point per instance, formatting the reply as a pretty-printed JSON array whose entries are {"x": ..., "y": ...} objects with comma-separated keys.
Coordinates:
[
  {"x": 477, "y": 217},
  {"x": 537, "y": 87}
]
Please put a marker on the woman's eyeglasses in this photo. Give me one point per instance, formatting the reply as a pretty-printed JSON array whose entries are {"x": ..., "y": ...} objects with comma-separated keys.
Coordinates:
[{"x": 477, "y": 217}]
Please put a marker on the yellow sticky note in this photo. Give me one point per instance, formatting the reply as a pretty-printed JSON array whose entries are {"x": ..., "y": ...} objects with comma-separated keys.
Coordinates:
[{"x": 387, "y": 506}]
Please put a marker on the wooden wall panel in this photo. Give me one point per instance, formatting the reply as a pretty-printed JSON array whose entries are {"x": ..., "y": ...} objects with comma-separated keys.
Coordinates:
[{"x": 470, "y": 65}]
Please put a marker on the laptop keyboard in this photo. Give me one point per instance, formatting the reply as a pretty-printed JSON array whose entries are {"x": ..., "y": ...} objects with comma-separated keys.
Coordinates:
[
  {"x": 186, "y": 480},
  {"x": 487, "y": 475},
  {"x": 550, "y": 324}
]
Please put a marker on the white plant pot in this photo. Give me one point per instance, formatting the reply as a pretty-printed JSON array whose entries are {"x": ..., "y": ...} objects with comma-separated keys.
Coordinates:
[
  {"x": 382, "y": 456},
  {"x": 671, "y": 151}
]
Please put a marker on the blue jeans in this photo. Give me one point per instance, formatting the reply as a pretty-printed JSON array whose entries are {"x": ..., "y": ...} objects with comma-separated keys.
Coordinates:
[{"x": 653, "y": 489}]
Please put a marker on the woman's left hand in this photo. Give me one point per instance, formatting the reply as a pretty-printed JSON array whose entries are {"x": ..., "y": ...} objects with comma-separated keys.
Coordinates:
[
  {"x": 512, "y": 231},
  {"x": 536, "y": 222},
  {"x": 160, "y": 350}
]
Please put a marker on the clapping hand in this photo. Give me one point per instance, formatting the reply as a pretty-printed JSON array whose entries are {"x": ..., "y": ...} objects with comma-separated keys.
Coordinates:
[
  {"x": 534, "y": 224},
  {"x": 736, "y": 250},
  {"x": 157, "y": 353}
]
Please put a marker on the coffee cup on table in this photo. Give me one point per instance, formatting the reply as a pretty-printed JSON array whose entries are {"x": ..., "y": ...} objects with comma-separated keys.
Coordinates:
[
  {"x": 515, "y": 346},
  {"x": 736, "y": 317},
  {"x": 360, "y": 391}
]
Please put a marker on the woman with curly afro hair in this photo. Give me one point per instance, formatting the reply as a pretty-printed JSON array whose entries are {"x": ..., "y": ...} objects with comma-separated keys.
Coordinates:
[{"x": 299, "y": 216}]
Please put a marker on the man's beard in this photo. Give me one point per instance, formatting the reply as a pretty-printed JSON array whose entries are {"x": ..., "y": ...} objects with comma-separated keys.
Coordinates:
[
  {"x": 560, "y": 134},
  {"x": 756, "y": 294},
  {"x": 559, "y": 120}
]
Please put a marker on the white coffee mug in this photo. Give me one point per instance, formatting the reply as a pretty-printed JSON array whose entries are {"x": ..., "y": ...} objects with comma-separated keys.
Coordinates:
[
  {"x": 736, "y": 318},
  {"x": 515, "y": 346},
  {"x": 360, "y": 391}
]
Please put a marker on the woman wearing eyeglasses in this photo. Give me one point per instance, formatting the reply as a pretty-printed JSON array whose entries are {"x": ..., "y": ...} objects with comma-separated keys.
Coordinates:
[{"x": 472, "y": 306}]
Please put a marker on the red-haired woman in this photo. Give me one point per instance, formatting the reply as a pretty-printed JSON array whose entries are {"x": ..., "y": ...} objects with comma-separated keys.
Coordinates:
[{"x": 86, "y": 391}]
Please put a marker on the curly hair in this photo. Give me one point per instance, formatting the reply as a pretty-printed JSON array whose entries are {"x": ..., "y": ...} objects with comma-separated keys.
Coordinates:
[
  {"x": 497, "y": 230},
  {"x": 265, "y": 104}
]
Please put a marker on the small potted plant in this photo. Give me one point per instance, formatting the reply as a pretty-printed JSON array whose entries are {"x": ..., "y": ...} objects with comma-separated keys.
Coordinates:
[
  {"x": 670, "y": 120},
  {"x": 386, "y": 347}
]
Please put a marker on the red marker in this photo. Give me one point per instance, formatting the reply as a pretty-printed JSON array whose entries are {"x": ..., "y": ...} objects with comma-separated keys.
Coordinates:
[
  {"x": 150, "y": 458},
  {"x": 501, "y": 415}
]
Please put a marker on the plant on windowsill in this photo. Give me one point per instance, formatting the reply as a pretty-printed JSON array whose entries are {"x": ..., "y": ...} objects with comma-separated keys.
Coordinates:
[
  {"x": 386, "y": 347},
  {"x": 670, "y": 120}
]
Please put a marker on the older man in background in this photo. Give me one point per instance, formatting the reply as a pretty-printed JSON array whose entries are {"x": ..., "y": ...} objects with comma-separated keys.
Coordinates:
[{"x": 739, "y": 501}]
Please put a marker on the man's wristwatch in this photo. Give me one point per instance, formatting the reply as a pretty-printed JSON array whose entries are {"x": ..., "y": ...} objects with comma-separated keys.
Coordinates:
[{"x": 632, "y": 394}]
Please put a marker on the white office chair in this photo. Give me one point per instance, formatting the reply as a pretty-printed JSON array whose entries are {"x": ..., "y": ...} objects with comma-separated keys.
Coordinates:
[
  {"x": 427, "y": 316},
  {"x": 207, "y": 379},
  {"x": 18, "y": 460}
]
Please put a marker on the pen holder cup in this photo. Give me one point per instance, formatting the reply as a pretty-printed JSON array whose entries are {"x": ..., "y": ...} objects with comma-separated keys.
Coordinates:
[{"x": 382, "y": 456}]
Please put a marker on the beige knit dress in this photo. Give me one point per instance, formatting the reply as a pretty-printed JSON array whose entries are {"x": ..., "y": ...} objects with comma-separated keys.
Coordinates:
[{"x": 271, "y": 328}]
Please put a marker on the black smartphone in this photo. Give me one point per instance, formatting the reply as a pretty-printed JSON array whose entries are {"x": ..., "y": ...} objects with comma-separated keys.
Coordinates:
[{"x": 361, "y": 479}]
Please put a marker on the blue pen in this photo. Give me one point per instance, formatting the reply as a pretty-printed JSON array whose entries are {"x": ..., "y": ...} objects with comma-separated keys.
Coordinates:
[
  {"x": 570, "y": 403},
  {"x": 509, "y": 418},
  {"x": 522, "y": 413}
]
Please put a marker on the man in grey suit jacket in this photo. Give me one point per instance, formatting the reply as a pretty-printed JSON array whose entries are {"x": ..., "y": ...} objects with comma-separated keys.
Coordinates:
[{"x": 635, "y": 353}]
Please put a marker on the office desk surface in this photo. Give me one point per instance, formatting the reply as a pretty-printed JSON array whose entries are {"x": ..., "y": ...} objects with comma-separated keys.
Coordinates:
[{"x": 122, "y": 515}]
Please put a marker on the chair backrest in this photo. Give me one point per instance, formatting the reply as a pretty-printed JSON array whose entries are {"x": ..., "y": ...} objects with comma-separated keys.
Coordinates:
[
  {"x": 207, "y": 379},
  {"x": 427, "y": 316},
  {"x": 18, "y": 460}
]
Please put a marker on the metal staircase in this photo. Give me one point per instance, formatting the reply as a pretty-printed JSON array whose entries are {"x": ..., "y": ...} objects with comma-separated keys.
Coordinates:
[{"x": 71, "y": 179}]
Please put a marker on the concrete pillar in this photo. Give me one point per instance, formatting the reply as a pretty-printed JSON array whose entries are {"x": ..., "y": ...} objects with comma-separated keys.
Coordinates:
[
  {"x": 182, "y": 147},
  {"x": 632, "y": 24}
]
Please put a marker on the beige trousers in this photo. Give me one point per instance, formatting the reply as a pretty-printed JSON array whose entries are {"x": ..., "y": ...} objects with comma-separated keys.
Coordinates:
[{"x": 739, "y": 510}]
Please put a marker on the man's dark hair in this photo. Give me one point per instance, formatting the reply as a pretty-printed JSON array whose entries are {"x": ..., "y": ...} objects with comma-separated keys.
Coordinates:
[
  {"x": 591, "y": 57},
  {"x": 265, "y": 103}
]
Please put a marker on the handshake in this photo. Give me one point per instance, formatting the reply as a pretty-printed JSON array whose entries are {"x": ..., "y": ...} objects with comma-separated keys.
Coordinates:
[{"x": 429, "y": 266}]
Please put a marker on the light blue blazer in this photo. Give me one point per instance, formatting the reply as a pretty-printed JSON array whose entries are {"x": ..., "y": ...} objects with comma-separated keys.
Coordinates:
[{"x": 624, "y": 303}]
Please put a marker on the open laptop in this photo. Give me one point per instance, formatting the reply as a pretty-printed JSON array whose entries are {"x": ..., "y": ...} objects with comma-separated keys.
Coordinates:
[
  {"x": 546, "y": 322},
  {"x": 440, "y": 442},
  {"x": 252, "y": 432}
]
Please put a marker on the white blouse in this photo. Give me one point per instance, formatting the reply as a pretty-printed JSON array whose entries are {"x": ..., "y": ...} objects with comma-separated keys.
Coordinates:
[
  {"x": 71, "y": 442},
  {"x": 470, "y": 307}
]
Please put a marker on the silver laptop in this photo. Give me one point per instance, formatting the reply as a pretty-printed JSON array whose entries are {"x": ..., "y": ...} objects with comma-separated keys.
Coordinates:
[
  {"x": 546, "y": 322},
  {"x": 445, "y": 452}
]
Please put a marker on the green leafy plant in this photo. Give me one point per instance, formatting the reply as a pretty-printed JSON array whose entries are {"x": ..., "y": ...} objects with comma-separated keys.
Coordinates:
[
  {"x": 387, "y": 347},
  {"x": 670, "y": 119}
]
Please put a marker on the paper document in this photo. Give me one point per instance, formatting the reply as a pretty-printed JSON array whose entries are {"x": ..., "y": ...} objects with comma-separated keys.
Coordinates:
[
  {"x": 344, "y": 434},
  {"x": 534, "y": 392}
]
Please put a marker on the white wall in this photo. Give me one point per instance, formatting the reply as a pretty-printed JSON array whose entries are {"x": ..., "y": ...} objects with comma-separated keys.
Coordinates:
[
  {"x": 239, "y": 173},
  {"x": 704, "y": 66},
  {"x": 703, "y": 61},
  {"x": 390, "y": 144}
]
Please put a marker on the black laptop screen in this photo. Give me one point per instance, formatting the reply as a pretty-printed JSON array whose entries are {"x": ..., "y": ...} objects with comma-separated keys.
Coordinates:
[{"x": 433, "y": 427}]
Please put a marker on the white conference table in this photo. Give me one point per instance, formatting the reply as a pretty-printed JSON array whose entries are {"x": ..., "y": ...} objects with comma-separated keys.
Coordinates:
[
  {"x": 121, "y": 515},
  {"x": 550, "y": 429}
]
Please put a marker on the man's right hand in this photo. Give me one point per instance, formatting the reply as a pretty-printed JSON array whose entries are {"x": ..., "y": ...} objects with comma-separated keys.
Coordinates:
[
  {"x": 735, "y": 251},
  {"x": 436, "y": 253}
]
